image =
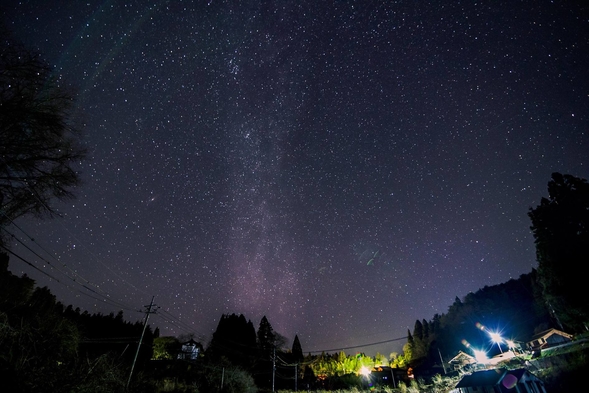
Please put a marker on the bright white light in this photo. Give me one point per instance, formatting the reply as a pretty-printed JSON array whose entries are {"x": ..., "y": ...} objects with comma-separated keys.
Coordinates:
[
  {"x": 365, "y": 371},
  {"x": 510, "y": 344},
  {"x": 496, "y": 337},
  {"x": 480, "y": 356}
]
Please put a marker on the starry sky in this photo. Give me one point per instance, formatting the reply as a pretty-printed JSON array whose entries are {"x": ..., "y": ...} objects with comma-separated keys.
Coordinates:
[{"x": 342, "y": 167}]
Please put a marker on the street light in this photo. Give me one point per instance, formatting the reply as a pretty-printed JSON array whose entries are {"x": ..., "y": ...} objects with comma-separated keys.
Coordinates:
[
  {"x": 365, "y": 371},
  {"x": 480, "y": 356},
  {"x": 497, "y": 339}
]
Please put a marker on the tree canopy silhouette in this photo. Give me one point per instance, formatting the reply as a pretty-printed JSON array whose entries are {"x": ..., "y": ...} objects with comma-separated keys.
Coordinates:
[
  {"x": 297, "y": 350},
  {"x": 561, "y": 230},
  {"x": 266, "y": 337},
  {"x": 233, "y": 341},
  {"x": 39, "y": 140}
]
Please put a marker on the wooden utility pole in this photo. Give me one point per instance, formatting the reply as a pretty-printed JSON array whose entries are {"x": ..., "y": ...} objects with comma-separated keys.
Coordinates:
[
  {"x": 273, "y": 367},
  {"x": 222, "y": 377},
  {"x": 393, "y": 376},
  {"x": 147, "y": 312},
  {"x": 442, "y": 360}
]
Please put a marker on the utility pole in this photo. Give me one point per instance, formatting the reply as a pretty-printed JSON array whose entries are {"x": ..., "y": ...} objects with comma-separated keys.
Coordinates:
[
  {"x": 393, "y": 376},
  {"x": 222, "y": 377},
  {"x": 551, "y": 310},
  {"x": 147, "y": 312},
  {"x": 296, "y": 376},
  {"x": 442, "y": 360},
  {"x": 273, "y": 367}
]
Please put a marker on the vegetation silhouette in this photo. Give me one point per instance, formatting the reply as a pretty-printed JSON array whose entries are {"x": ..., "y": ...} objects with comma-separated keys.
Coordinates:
[
  {"x": 40, "y": 137},
  {"x": 46, "y": 346}
]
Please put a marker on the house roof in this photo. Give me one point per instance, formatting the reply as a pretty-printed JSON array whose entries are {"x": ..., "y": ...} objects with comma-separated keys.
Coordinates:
[
  {"x": 190, "y": 342},
  {"x": 495, "y": 377},
  {"x": 481, "y": 378},
  {"x": 462, "y": 356},
  {"x": 519, "y": 373},
  {"x": 550, "y": 332},
  {"x": 523, "y": 375}
]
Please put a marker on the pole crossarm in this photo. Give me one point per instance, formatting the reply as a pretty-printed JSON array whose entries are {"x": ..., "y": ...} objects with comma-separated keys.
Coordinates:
[{"x": 150, "y": 309}]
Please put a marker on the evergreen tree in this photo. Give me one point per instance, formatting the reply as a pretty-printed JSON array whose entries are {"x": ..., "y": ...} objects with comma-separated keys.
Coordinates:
[
  {"x": 511, "y": 307},
  {"x": 233, "y": 341},
  {"x": 409, "y": 347},
  {"x": 560, "y": 225},
  {"x": 40, "y": 346},
  {"x": 266, "y": 337},
  {"x": 419, "y": 345},
  {"x": 425, "y": 325},
  {"x": 418, "y": 330},
  {"x": 297, "y": 350},
  {"x": 435, "y": 324}
]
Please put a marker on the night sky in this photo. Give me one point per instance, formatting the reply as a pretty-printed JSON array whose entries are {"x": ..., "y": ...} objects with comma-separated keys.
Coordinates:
[{"x": 343, "y": 168}]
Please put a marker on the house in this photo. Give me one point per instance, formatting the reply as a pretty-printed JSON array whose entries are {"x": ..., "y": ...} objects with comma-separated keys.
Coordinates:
[
  {"x": 384, "y": 375},
  {"x": 548, "y": 338},
  {"x": 190, "y": 350},
  {"x": 462, "y": 360},
  {"x": 500, "y": 381}
]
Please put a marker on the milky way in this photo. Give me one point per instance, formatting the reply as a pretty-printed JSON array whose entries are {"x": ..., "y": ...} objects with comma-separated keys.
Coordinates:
[{"x": 343, "y": 168}]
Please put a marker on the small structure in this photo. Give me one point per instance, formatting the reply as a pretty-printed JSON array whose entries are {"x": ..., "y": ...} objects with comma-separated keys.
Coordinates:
[
  {"x": 548, "y": 338},
  {"x": 461, "y": 361},
  {"x": 500, "y": 381},
  {"x": 388, "y": 376},
  {"x": 190, "y": 350}
]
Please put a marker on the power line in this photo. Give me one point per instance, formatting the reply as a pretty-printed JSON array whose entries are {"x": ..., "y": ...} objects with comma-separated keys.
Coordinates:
[
  {"x": 176, "y": 321},
  {"x": 40, "y": 257},
  {"x": 45, "y": 250},
  {"x": 87, "y": 285},
  {"x": 102, "y": 299},
  {"x": 78, "y": 279},
  {"x": 359, "y": 346},
  {"x": 173, "y": 320},
  {"x": 29, "y": 263},
  {"x": 93, "y": 257},
  {"x": 103, "y": 296}
]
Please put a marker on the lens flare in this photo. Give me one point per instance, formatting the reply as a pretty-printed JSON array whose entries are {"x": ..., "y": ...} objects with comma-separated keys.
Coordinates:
[{"x": 509, "y": 381}]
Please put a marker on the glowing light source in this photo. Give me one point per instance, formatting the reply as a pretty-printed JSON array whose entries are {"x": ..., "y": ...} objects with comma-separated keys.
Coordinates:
[
  {"x": 497, "y": 339},
  {"x": 365, "y": 371},
  {"x": 480, "y": 356}
]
